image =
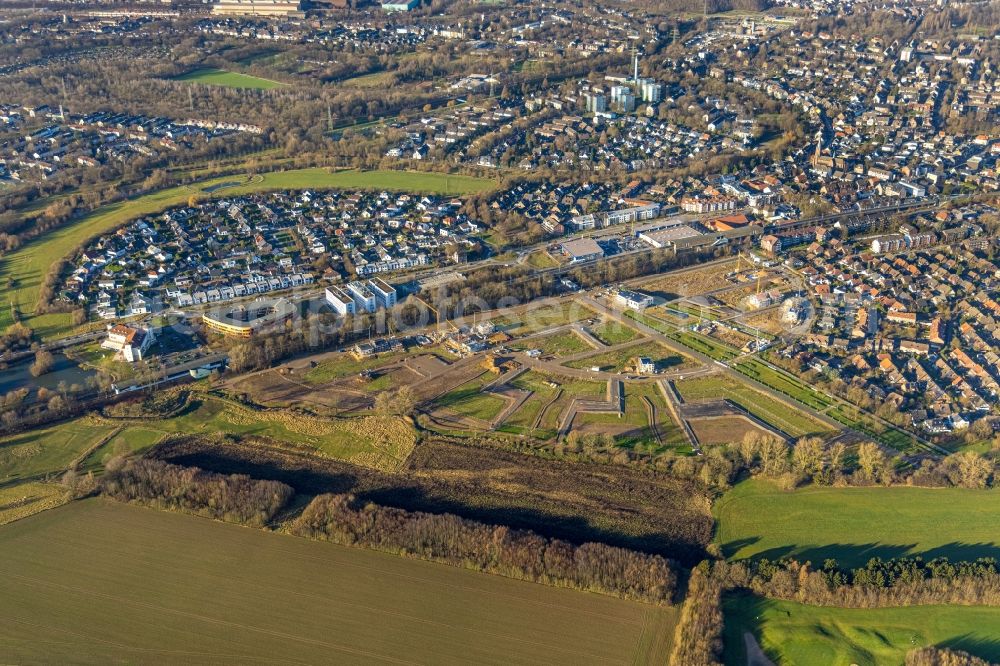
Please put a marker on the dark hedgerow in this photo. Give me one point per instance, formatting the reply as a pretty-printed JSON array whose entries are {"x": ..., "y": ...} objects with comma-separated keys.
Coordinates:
[
  {"x": 234, "y": 498},
  {"x": 494, "y": 549}
]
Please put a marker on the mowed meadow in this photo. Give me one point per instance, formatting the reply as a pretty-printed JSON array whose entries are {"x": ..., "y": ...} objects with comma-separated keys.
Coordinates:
[
  {"x": 758, "y": 519},
  {"x": 799, "y": 635},
  {"x": 139, "y": 585}
]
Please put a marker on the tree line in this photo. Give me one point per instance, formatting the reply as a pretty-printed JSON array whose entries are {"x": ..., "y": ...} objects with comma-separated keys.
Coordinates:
[
  {"x": 941, "y": 656},
  {"x": 906, "y": 581},
  {"x": 811, "y": 460},
  {"x": 234, "y": 498},
  {"x": 520, "y": 554},
  {"x": 698, "y": 636},
  {"x": 316, "y": 332},
  {"x": 483, "y": 289},
  {"x": 503, "y": 286},
  {"x": 879, "y": 584},
  {"x": 445, "y": 538}
]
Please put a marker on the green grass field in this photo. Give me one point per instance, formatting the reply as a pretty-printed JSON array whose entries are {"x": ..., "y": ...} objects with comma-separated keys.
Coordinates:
[
  {"x": 709, "y": 313},
  {"x": 792, "y": 421},
  {"x": 373, "y": 80},
  {"x": 521, "y": 422},
  {"x": 29, "y": 264},
  {"x": 784, "y": 382},
  {"x": 850, "y": 416},
  {"x": 534, "y": 320},
  {"x": 372, "y": 441},
  {"x": 704, "y": 344},
  {"x": 699, "y": 343},
  {"x": 617, "y": 359},
  {"x": 6, "y": 316},
  {"x": 634, "y": 421},
  {"x": 131, "y": 584},
  {"x": 636, "y": 432},
  {"x": 671, "y": 432},
  {"x": 51, "y": 450},
  {"x": 612, "y": 332},
  {"x": 25, "y": 499},
  {"x": 469, "y": 400},
  {"x": 133, "y": 439},
  {"x": 344, "y": 365},
  {"x": 853, "y": 417},
  {"x": 221, "y": 77},
  {"x": 541, "y": 259},
  {"x": 852, "y": 525},
  {"x": 379, "y": 442},
  {"x": 796, "y": 634},
  {"x": 562, "y": 343}
]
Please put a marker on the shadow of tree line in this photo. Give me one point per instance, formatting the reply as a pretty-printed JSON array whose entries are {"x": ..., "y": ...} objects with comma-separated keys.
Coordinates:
[{"x": 850, "y": 555}]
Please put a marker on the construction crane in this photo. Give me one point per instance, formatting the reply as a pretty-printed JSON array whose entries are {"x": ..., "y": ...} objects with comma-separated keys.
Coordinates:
[
  {"x": 744, "y": 264},
  {"x": 739, "y": 262},
  {"x": 437, "y": 315}
]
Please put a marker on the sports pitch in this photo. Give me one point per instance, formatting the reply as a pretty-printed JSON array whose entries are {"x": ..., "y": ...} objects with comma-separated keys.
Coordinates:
[{"x": 138, "y": 585}]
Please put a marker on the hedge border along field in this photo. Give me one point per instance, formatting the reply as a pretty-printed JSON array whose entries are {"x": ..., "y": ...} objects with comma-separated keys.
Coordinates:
[
  {"x": 852, "y": 525},
  {"x": 128, "y": 575},
  {"x": 28, "y": 265},
  {"x": 793, "y": 633}
]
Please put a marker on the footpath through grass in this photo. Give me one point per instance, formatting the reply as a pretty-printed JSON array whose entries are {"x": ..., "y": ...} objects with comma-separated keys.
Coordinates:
[
  {"x": 796, "y": 634},
  {"x": 850, "y": 416},
  {"x": 28, "y": 265},
  {"x": 221, "y": 77},
  {"x": 380, "y": 442},
  {"x": 37, "y": 453},
  {"x": 699, "y": 343},
  {"x": 852, "y": 525},
  {"x": 791, "y": 421},
  {"x": 788, "y": 384},
  {"x": 132, "y": 577},
  {"x": 618, "y": 359}
]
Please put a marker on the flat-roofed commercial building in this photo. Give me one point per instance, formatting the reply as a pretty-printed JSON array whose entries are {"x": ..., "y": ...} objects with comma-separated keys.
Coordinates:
[
  {"x": 400, "y": 5},
  {"x": 670, "y": 236},
  {"x": 634, "y": 300},
  {"x": 258, "y": 8},
  {"x": 245, "y": 321},
  {"x": 582, "y": 249}
]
